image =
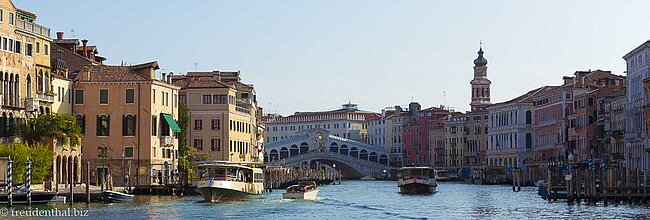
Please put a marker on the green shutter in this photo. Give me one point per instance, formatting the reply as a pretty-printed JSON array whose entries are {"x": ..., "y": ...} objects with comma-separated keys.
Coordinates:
[{"x": 130, "y": 95}]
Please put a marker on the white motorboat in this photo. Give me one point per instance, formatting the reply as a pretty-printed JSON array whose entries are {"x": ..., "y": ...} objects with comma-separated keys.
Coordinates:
[
  {"x": 221, "y": 180},
  {"x": 113, "y": 196},
  {"x": 417, "y": 180},
  {"x": 303, "y": 190}
]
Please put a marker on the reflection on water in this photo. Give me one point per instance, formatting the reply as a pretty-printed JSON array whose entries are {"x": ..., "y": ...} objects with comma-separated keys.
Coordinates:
[{"x": 365, "y": 199}]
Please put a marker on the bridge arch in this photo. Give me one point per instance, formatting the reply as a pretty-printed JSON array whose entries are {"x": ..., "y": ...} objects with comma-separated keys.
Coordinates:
[
  {"x": 334, "y": 147},
  {"x": 383, "y": 159},
  {"x": 344, "y": 149},
  {"x": 304, "y": 148},
  {"x": 293, "y": 150},
  {"x": 284, "y": 153},
  {"x": 373, "y": 157},
  {"x": 354, "y": 152},
  {"x": 363, "y": 154}
]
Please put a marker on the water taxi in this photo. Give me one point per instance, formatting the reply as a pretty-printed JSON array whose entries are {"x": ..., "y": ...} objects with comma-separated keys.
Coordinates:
[
  {"x": 417, "y": 180},
  {"x": 220, "y": 180},
  {"x": 113, "y": 196},
  {"x": 303, "y": 190}
]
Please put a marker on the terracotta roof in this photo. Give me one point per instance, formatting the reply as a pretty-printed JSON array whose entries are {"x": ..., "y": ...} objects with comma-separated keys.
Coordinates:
[
  {"x": 198, "y": 82},
  {"x": 90, "y": 48},
  {"x": 73, "y": 61},
  {"x": 200, "y": 74},
  {"x": 102, "y": 73},
  {"x": 66, "y": 41}
]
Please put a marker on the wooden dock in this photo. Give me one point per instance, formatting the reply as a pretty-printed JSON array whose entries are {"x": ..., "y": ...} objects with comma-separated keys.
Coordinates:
[{"x": 589, "y": 183}]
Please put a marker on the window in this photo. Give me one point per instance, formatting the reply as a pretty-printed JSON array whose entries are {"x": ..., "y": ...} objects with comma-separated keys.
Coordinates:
[
  {"x": 18, "y": 45},
  {"x": 11, "y": 45},
  {"x": 130, "y": 96},
  {"x": 103, "y": 125},
  {"x": 11, "y": 18},
  {"x": 102, "y": 152},
  {"x": 175, "y": 100},
  {"x": 215, "y": 144},
  {"x": 198, "y": 124},
  {"x": 154, "y": 125},
  {"x": 207, "y": 99},
  {"x": 78, "y": 97},
  {"x": 529, "y": 117},
  {"x": 103, "y": 96},
  {"x": 128, "y": 125},
  {"x": 47, "y": 50},
  {"x": 128, "y": 152},
  {"x": 28, "y": 49},
  {"x": 154, "y": 96},
  {"x": 220, "y": 99},
  {"x": 4, "y": 43},
  {"x": 164, "y": 127},
  {"x": 81, "y": 122},
  {"x": 69, "y": 95},
  {"x": 2, "y": 15},
  {"x": 216, "y": 124},
  {"x": 198, "y": 144},
  {"x": 38, "y": 47}
]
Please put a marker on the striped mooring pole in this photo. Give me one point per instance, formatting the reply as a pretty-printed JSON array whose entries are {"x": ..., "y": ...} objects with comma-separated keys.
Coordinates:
[
  {"x": 10, "y": 193},
  {"x": 28, "y": 182}
]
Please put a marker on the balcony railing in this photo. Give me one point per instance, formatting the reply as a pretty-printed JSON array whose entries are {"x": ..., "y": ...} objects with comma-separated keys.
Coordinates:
[
  {"x": 32, "y": 28},
  {"x": 243, "y": 110},
  {"x": 31, "y": 104},
  {"x": 168, "y": 141},
  {"x": 45, "y": 97}
]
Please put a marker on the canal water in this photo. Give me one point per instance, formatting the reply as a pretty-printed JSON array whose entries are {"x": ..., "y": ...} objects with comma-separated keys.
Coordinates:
[{"x": 367, "y": 200}]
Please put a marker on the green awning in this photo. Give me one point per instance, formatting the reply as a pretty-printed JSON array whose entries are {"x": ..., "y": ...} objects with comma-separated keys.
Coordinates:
[{"x": 172, "y": 123}]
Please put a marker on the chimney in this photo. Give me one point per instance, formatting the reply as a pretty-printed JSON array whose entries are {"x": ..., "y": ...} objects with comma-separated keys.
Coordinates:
[
  {"x": 164, "y": 77},
  {"x": 59, "y": 35},
  {"x": 169, "y": 77},
  {"x": 85, "y": 48},
  {"x": 567, "y": 80}
]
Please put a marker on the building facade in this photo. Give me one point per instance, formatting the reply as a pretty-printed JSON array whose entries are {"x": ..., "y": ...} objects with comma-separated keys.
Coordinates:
[
  {"x": 636, "y": 141},
  {"x": 417, "y": 146},
  {"x": 223, "y": 112},
  {"x": 456, "y": 131},
  {"x": 129, "y": 122},
  {"x": 477, "y": 118}
]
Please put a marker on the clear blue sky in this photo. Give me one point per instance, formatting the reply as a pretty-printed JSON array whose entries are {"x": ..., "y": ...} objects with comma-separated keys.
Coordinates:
[{"x": 316, "y": 55}]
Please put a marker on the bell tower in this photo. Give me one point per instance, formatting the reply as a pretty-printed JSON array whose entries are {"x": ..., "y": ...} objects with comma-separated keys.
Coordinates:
[{"x": 480, "y": 83}]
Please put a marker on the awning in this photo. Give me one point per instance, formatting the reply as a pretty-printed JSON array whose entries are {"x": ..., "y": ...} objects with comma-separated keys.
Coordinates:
[{"x": 172, "y": 123}]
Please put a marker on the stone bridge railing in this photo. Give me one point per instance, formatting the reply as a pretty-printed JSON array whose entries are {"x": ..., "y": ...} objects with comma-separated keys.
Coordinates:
[{"x": 364, "y": 167}]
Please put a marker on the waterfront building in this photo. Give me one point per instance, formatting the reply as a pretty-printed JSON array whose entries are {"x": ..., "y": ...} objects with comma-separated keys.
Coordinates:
[
  {"x": 456, "y": 132},
  {"x": 223, "y": 111},
  {"x": 418, "y": 149},
  {"x": 128, "y": 117},
  {"x": 511, "y": 136},
  {"x": 551, "y": 108},
  {"x": 390, "y": 125},
  {"x": 584, "y": 136},
  {"x": 611, "y": 121},
  {"x": 477, "y": 118},
  {"x": 636, "y": 141},
  {"x": 437, "y": 143},
  {"x": 347, "y": 122}
]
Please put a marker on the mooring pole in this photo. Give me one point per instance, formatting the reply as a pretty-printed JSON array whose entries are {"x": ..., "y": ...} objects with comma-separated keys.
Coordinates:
[
  {"x": 9, "y": 179},
  {"x": 28, "y": 183},
  {"x": 88, "y": 182},
  {"x": 71, "y": 180}
]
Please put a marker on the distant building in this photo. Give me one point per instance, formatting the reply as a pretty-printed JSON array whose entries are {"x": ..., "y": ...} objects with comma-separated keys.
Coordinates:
[
  {"x": 417, "y": 146},
  {"x": 551, "y": 108},
  {"x": 636, "y": 141},
  {"x": 456, "y": 136},
  {"x": 224, "y": 117},
  {"x": 611, "y": 121},
  {"x": 511, "y": 136},
  {"x": 475, "y": 152},
  {"x": 387, "y": 131},
  {"x": 129, "y": 122},
  {"x": 348, "y": 122}
]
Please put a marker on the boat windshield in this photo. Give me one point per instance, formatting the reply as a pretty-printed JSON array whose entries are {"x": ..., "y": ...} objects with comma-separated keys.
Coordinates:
[
  {"x": 225, "y": 174},
  {"x": 417, "y": 173}
]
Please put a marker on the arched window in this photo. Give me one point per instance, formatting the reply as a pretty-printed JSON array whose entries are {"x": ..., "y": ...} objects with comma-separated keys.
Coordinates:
[
  {"x": 81, "y": 122},
  {"x": 103, "y": 125},
  {"x": 154, "y": 125},
  {"x": 128, "y": 125},
  {"x": 529, "y": 117},
  {"x": 529, "y": 141}
]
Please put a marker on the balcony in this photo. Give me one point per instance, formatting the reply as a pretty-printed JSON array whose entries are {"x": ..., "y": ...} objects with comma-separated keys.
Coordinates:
[
  {"x": 10, "y": 101},
  {"x": 32, "y": 28},
  {"x": 31, "y": 104},
  {"x": 243, "y": 110},
  {"x": 245, "y": 101},
  {"x": 168, "y": 141},
  {"x": 45, "y": 97}
]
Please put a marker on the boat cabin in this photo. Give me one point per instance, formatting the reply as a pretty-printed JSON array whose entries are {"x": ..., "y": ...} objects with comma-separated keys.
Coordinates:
[
  {"x": 228, "y": 172},
  {"x": 416, "y": 173}
]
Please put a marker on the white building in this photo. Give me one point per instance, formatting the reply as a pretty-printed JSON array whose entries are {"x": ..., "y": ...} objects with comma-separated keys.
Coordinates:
[
  {"x": 387, "y": 130},
  {"x": 348, "y": 122},
  {"x": 511, "y": 137},
  {"x": 638, "y": 69}
]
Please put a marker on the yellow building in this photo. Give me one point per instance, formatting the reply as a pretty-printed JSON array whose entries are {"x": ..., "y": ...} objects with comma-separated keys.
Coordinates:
[
  {"x": 456, "y": 131},
  {"x": 223, "y": 115},
  {"x": 129, "y": 122}
]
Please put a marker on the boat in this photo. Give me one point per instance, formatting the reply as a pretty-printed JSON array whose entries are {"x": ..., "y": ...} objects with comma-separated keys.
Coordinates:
[
  {"x": 417, "y": 180},
  {"x": 20, "y": 197},
  {"x": 368, "y": 178},
  {"x": 223, "y": 180},
  {"x": 113, "y": 196},
  {"x": 303, "y": 190}
]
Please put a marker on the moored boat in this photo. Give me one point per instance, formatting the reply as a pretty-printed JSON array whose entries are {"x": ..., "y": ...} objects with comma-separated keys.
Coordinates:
[
  {"x": 113, "y": 196},
  {"x": 417, "y": 180},
  {"x": 303, "y": 190},
  {"x": 220, "y": 180}
]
